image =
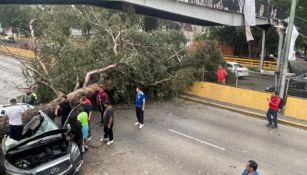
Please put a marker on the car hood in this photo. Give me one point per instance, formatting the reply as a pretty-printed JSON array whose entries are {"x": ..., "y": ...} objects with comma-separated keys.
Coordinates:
[{"x": 28, "y": 140}]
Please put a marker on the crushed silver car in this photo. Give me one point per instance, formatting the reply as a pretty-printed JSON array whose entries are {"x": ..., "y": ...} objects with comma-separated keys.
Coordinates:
[{"x": 44, "y": 150}]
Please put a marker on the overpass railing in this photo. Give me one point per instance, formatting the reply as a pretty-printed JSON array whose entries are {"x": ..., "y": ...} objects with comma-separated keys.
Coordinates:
[
  {"x": 263, "y": 8},
  {"x": 267, "y": 65}
]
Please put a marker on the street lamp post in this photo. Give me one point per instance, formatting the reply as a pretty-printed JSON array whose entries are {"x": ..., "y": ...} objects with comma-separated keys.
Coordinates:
[{"x": 287, "y": 50}]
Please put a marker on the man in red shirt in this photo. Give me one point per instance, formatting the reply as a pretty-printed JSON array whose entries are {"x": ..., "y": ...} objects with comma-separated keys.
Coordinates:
[
  {"x": 221, "y": 75},
  {"x": 274, "y": 102},
  {"x": 101, "y": 98}
]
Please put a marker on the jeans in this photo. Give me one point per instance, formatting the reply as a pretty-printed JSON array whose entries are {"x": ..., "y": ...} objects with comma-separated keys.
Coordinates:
[
  {"x": 272, "y": 117},
  {"x": 108, "y": 132},
  {"x": 140, "y": 115}
]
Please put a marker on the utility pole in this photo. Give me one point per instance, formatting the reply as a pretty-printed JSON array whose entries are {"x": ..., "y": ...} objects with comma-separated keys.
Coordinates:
[
  {"x": 262, "y": 50},
  {"x": 287, "y": 50}
]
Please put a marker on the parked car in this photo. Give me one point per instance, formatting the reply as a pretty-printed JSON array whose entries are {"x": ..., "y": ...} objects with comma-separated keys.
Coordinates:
[
  {"x": 300, "y": 77},
  {"x": 296, "y": 88},
  {"x": 23, "y": 105},
  {"x": 234, "y": 67},
  {"x": 43, "y": 150}
]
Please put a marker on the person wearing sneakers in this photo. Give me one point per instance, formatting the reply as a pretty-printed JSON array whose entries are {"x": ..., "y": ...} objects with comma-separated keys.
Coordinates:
[
  {"x": 83, "y": 118},
  {"x": 274, "y": 102},
  {"x": 139, "y": 107},
  {"x": 88, "y": 108},
  {"x": 108, "y": 120}
]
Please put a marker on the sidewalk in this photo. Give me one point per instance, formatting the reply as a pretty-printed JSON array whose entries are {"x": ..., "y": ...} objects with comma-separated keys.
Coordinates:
[{"x": 246, "y": 111}]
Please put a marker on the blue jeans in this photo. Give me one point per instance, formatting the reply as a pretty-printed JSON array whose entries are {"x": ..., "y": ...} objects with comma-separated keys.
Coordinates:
[{"x": 272, "y": 117}]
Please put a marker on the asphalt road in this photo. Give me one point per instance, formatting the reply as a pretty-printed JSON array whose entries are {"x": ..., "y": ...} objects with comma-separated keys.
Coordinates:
[
  {"x": 183, "y": 138},
  {"x": 186, "y": 138},
  {"x": 257, "y": 81},
  {"x": 11, "y": 77}
]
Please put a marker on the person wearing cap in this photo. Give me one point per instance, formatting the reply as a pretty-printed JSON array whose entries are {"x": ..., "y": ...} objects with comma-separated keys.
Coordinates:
[{"x": 108, "y": 121}]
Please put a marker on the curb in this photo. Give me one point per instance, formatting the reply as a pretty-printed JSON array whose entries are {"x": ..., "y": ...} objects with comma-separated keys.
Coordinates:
[{"x": 241, "y": 111}]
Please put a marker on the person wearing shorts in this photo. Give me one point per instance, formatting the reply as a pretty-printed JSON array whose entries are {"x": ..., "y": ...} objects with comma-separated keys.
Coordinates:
[{"x": 83, "y": 118}]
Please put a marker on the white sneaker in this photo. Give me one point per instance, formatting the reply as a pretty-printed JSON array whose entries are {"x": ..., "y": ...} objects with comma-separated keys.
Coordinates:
[
  {"x": 110, "y": 142},
  {"x": 104, "y": 139},
  {"x": 137, "y": 123},
  {"x": 82, "y": 149},
  {"x": 86, "y": 146},
  {"x": 141, "y": 126},
  {"x": 89, "y": 138}
]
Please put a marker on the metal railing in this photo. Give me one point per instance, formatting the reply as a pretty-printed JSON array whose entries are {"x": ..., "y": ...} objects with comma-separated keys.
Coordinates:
[
  {"x": 263, "y": 8},
  {"x": 267, "y": 65}
]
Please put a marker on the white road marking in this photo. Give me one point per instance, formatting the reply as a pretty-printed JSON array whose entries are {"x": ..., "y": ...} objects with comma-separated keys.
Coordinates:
[{"x": 197, "y": 140}]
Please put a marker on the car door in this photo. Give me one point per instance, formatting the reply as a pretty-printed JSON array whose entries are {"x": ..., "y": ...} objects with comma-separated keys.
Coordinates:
[{"x": 230, "y": 67}]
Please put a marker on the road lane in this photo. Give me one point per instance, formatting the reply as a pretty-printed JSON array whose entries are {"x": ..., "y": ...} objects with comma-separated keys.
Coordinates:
[
  {"x": 10, "y": 76},
  {"x": 156, "y": 150}
]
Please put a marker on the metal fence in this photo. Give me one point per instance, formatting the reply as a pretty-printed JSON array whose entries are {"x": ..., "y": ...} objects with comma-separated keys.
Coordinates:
[
  {"x": 263, "y": 9},
  {"x": 267, "y": 65}
]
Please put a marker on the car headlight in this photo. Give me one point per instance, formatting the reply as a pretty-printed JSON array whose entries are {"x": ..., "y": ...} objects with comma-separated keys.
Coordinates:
[{"x": 75, "y": 152}]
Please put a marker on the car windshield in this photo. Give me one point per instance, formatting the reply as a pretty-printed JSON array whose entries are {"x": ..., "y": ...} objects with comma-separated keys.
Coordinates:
[
  {"x": 238, "y": 66},
  {"x": 47, "y": 125}
]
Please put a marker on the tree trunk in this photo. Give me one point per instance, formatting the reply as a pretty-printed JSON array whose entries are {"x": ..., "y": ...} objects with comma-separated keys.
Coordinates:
[{"x": 49, "y": 108}]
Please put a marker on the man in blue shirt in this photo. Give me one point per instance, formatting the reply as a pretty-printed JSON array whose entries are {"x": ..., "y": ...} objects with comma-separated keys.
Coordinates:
[
  {"x": 251, "y": 168},
  {"x": 140, "y": 107}
]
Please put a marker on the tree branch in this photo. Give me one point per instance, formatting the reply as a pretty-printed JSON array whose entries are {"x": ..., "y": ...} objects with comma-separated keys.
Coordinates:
[
  {"x": 38, "y": 58},
  {"x": 89, "y": 74}
]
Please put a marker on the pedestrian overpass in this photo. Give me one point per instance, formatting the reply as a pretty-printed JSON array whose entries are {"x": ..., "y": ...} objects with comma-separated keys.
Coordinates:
[{"x": 198, "y": 12}]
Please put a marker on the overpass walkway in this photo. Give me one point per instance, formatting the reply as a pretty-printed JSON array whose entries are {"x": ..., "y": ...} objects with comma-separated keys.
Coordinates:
[{"x": 198, "y": 12}]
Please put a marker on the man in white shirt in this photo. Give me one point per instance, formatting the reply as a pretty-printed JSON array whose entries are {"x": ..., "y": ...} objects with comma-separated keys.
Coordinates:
[{"x": 14, "y": 114}]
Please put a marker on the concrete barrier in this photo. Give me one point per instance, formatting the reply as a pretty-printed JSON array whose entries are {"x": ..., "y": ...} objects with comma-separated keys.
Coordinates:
[
  {"x": 23, "y": 53},
  {"x": 237, "y": 96},
  {"x": 296, "y": 108}
]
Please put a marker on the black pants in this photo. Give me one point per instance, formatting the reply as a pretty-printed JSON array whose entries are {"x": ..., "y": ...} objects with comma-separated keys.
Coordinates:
[
  {"x": 101, "y": 109},
  {"x": 272, "y": 113},
  {"x": 63, "y": 120},
  {"x": 16, "y": 132},
  {"x": 108, "y": 132},
  {"x": 140, "y": 115}
]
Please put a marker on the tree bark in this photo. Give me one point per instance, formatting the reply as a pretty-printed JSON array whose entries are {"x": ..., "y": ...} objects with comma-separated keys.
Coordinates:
[
  {"x": 49, "y": 108},
  {"x": 89, "y": 74}
]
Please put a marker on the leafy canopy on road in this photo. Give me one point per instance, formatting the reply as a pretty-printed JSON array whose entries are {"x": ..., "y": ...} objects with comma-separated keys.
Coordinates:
[{"x": 157, "y": 60}]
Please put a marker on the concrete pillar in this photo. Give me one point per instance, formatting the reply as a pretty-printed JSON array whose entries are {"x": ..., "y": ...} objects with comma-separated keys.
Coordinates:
[
  {"x": 287, "y": 50},
  {"x": 262, "y": 50}
]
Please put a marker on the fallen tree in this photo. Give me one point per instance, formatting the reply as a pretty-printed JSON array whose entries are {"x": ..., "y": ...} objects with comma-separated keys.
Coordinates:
[{"x": 73, "y": 97}]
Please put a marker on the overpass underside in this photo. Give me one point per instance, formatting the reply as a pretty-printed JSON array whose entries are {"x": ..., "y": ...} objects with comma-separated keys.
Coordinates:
[{"x": 165, "y": 9}]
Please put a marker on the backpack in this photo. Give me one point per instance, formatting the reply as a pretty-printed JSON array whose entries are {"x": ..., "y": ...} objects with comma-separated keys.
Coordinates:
[{"x": 281, "y": 104}]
